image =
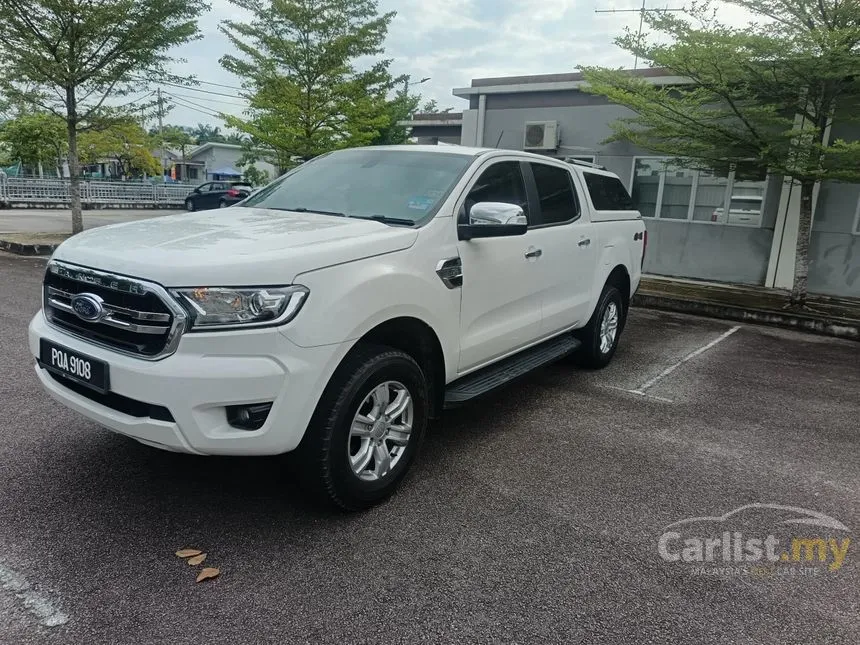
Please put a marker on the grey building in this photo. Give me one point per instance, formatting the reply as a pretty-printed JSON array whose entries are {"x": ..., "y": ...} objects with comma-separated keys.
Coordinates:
[
  {"x": 734, "y": 225},
  {"x": 432, "y": 129}
]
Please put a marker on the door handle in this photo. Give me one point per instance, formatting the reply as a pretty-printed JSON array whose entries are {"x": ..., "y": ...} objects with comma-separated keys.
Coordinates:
[
  {"x": 535, "y": 253},
  {"x": 584, "y": 242}
]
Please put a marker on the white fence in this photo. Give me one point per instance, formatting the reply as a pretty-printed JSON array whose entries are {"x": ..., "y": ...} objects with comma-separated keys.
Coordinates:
[{"x": 24, "y": 190}]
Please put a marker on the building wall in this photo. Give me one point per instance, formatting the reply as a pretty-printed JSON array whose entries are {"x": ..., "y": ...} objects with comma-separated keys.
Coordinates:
[
  {"x": 834, "y": 251},
  {"x": 680, "y": 248}
]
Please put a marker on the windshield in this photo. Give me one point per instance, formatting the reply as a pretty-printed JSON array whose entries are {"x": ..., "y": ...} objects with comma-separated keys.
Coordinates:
[{"x": 403, "y": 185}]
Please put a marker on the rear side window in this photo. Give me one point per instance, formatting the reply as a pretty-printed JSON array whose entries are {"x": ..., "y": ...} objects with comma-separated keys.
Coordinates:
[
  {"x": 558, "y": 202},
  {"x": 607, "y": 193}
]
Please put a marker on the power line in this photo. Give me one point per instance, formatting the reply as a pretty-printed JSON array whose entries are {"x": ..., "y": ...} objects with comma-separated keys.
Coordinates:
[
  {"x": 641, "y": 11},
  {"x": 196, "y": 89},
  {"x": 196, "y": 109},
  {"x": 198, "y": 105},
  {"x": 185, "y": 96}
]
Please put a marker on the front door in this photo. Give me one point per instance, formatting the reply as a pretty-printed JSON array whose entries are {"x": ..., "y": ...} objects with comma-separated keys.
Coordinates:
[{"x": 500, "y": 309}]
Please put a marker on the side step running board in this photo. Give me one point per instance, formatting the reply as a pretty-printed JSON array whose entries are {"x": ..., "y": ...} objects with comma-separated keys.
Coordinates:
[{"x": 505, "y": 371}]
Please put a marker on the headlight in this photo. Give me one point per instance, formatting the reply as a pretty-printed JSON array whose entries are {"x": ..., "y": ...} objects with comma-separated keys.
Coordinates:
[{"x": 229, "y": 307}]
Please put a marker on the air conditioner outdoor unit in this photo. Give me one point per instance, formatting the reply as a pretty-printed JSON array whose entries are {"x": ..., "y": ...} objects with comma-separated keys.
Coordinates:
[{"x": 541, "y": 135}]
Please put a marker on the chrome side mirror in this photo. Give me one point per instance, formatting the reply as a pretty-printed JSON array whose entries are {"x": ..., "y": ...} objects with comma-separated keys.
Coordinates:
[
  {"x": 493, "y": 219},
  {"x": 488, "y": 213}
]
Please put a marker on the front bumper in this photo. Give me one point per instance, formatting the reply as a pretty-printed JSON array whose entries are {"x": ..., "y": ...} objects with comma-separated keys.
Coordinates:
[{"x": 208, "y": 372}]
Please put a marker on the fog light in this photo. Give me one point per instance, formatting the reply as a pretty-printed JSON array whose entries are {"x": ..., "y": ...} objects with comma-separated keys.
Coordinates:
[{"x": 248, "y": 417}]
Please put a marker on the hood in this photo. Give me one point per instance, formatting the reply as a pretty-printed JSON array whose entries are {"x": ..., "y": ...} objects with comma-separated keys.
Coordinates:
[{"x": 231, "y": 246}]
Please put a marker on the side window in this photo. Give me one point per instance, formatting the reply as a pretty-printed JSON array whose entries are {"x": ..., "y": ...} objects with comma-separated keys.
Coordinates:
[
  {"x": 607, "y": 193},
  {"x": 558, "y": 202},
  {"x": 204, "y": 188},
  {"x": 501, "y": 182}
]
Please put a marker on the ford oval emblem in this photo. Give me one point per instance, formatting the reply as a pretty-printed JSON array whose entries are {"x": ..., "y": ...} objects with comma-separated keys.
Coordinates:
[{"x": 88, "y": 306}]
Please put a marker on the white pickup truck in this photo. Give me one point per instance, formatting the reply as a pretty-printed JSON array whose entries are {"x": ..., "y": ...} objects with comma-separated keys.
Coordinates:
[{"x": 334, "y": 312}]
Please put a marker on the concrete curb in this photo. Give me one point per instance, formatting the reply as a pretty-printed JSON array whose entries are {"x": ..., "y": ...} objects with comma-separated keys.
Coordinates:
[
  {"x": 27, "y": 249},
  {"x": 838, "y": 327}
]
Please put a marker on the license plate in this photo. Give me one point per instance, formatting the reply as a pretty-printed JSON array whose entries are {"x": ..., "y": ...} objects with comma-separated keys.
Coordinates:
[{"x": 72, "y": 365}]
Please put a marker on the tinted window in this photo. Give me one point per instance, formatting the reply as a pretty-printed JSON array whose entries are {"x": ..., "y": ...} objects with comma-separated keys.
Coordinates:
[
  {"x": 558, "y": 202},
  {"x": 501, "y": 182},
  {"x": 607, "y": 193},
  {"x": 363, "y": 182}
]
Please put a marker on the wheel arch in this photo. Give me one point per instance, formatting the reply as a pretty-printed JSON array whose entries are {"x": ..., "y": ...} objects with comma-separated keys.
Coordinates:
[{"x": 415, "y": 337}]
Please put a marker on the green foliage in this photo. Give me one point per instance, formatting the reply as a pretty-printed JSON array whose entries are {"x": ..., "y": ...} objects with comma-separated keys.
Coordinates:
[
  {"x": 748, "y": 86},
  {"x": 298, "y": 61},
  {"x": 35, "y": 138},
  {"x": 766, "y": 93},
  {"x": 126, "y": 143},
  {"x": 175, "y": 136},
  {"x": 400, "y": 108},
  {"x": 68, "y": 56},
  {"x": 255, "y": 176}
]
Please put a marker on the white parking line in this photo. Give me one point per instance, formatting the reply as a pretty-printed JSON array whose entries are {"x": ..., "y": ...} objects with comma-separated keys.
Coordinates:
[
  {"x": 641, "y": 390},
  {"x": 43, "y": 609}
]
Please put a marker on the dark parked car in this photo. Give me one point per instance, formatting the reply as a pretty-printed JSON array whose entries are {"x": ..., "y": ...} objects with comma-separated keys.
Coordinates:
[{"x": 217, "y": 194}]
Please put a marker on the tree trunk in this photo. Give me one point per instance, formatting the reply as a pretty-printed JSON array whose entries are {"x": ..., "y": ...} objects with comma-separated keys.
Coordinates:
[
  {"x": 74, "y": 163},
  {"x": 801, "y": 260}
]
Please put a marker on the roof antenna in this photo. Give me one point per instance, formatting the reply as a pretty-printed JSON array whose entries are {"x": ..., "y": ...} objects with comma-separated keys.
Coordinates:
[{"x": 501, "y": 134}]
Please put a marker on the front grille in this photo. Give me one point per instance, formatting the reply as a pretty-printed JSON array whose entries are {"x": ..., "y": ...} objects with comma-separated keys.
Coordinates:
[
  {"x": 118, "y": 402},
  {"x": 135, "y": 317}
]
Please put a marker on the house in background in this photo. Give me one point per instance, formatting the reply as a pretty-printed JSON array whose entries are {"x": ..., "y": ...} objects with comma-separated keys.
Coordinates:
[{"x": 215, "y": 161}]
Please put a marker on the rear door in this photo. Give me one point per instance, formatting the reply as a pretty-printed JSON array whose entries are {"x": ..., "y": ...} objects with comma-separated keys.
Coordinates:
[
  {"x": 568, "y": 249},
  {"x": 217, "y": 190}
]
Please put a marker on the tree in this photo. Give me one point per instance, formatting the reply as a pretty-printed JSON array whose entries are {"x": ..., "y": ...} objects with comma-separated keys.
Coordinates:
[
  {"x": 299, "y": 64},
  {"x": 126, "y": 143},
  {"x": 763, "y": 94},
  {"x": 400, "y": 108},
  {"x": 175, "y": 136},
  {"x": 69, "y": 56},
  {"x": 34, "y": 139},
  {"x": 431, "y": 107},
  {"x": 205, "y": 133}
]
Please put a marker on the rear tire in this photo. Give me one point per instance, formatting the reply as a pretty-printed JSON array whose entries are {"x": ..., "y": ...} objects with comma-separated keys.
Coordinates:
[
  {"x": 189, "y": 205},
  {"x": 222, "y": 204},
  {"x": 342, "y": 457},
  {"x": 601, "y": 335}
]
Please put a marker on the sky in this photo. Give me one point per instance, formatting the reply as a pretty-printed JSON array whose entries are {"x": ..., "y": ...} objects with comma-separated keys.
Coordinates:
[{"x": 449, "y": 41}]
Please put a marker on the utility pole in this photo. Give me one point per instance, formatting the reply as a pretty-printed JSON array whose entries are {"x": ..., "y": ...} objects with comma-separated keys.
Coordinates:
[
  {"x": 161, "y": 130},
  {"x": 641, "y": 11},
  {"x": 406, "y": 87}
]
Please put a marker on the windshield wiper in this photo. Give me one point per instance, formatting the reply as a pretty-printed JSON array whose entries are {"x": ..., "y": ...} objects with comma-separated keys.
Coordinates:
[
  {"x": 385, "y": 219},
  {"x": 302, "y": 209}
]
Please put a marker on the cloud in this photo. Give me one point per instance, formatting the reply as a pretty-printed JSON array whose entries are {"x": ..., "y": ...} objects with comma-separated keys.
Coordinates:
[{"x": 452, "y": 42}]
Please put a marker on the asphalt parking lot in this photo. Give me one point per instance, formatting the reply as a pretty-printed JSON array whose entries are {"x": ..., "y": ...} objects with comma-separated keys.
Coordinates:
[
  {"x": 35, "y": 220},
  {"x": 532, "y": 516}
]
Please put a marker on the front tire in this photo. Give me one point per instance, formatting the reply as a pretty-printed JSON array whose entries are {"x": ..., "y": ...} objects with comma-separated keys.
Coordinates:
[
  {"x": 600, "y": 336},
  {"x": 366, "y": 430},
  {"x": 189, "y": 205}
]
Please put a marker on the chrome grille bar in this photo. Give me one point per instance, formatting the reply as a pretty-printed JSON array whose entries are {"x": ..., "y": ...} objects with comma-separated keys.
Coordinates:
[{"x": 131, "y": 313}]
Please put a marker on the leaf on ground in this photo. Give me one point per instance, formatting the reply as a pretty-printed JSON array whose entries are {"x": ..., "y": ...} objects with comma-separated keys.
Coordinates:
[
  {"x": 208, "y": 572},
  {"x": 187, "y": 553},
  {"x": 197, "y": 559}
]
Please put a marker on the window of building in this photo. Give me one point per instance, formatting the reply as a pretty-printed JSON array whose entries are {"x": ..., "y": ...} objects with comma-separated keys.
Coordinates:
[
  {"x": 192, "y": 172},
  {"x": 664, "y": 190},
  {"x": 607, "y": 193},
  {"x": 501, "y": 182},
  {"x": 558, "y": 202}
]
